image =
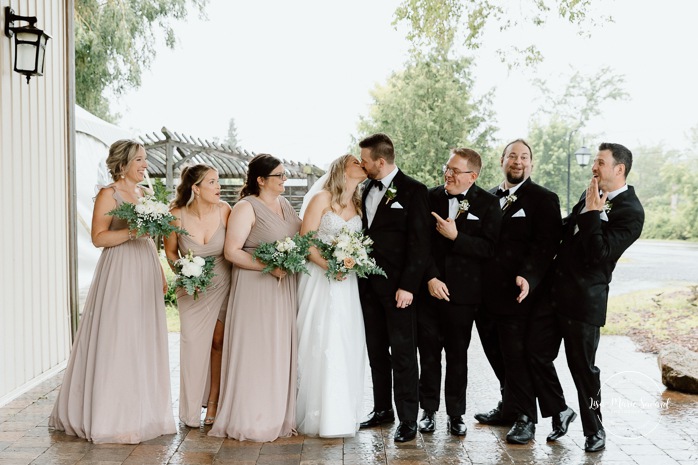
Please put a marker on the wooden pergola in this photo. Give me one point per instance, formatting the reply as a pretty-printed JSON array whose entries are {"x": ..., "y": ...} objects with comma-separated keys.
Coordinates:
[{"x": 170, "y": 151}]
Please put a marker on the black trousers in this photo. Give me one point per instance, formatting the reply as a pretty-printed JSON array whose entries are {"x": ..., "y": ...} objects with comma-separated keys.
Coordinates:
[
  {"x": 391, "y": 340},
  {"x": 581, "y": 342},
  {"x": 489, "y": 338},
  {"x": 518, "y": 396},
  {"x": 444, "y": 326},
  {"x": 543, "y": 343}
]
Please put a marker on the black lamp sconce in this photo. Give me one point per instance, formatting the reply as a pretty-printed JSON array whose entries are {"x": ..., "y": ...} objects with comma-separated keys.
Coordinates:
[{"x": 30, "y": 44}]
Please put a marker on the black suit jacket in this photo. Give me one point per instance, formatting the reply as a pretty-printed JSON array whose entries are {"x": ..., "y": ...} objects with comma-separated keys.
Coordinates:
[
  {"x": 582, "y": 270},
  {"x": 528, "y": 242},
  {"x": 458, "y": 263},
  {"x": 400, "y": 236}
]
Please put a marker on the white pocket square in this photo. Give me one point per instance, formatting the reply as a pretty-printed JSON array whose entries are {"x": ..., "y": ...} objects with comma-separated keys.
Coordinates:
[
  {"x": 471, "y": 217},
  {"x": 396, "y": 205},
  {"x": 519, "y": 214},
  {"x": 604, "y": 216}
]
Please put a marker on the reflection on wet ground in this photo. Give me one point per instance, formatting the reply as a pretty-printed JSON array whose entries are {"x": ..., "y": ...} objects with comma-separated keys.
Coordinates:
[{"x": 645, "y": 424}]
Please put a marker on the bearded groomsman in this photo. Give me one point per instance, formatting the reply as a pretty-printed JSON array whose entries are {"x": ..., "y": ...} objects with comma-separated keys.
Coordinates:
[
  {"x": 466, "y": 221},
  {"x": 605, "y": 222},
  {"x": 530, "y": 235},
  {"x": 395, "y": 217}
]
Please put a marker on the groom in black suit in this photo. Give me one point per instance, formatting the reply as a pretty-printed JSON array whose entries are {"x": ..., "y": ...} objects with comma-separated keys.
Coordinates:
[
  {"x": 530, "y": 235},
  {"x": 395, "y": 217},
  {"x": 597, "y": 232},
  {"x": 465, "y": 229}
]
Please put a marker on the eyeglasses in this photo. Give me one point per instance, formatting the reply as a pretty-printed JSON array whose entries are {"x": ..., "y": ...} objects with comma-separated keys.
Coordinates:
[
  {"x": 280, "y": 176},
  {"x": 455, "y": 172}
]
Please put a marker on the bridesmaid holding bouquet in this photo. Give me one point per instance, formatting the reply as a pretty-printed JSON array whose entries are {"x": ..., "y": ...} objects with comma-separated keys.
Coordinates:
[{"x": 201, "y": 212}]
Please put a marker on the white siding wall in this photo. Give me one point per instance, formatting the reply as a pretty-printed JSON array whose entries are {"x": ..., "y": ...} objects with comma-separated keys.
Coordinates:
[{"x": 34, "y": 271}]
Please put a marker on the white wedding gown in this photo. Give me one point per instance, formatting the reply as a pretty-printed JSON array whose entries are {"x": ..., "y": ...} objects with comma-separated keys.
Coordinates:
[{"x": 331, "y": 346}]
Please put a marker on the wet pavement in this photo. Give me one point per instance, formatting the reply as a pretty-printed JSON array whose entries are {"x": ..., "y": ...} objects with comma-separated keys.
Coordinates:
[{"x": 645, "y": 424}]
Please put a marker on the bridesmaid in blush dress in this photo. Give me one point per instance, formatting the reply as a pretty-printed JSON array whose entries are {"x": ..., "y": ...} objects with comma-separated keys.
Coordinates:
[
  {"x": 200, "y": 211},
  {"x": 258, "y": 382},
  {"x": 116, "y": 387}
]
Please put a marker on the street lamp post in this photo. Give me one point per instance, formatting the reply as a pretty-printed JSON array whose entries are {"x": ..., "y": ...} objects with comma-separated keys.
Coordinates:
[{"x": 583, "y": 155}]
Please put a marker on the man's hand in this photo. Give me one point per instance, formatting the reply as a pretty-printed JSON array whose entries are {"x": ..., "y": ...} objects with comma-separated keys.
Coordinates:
[
  {"x": 447, "y": 227},
  {"x": 438, "y": 289},
  {"x": 523, "y": 286},
  {"x": 403, "y": 298},
  {"x": 593, "y": 201}
]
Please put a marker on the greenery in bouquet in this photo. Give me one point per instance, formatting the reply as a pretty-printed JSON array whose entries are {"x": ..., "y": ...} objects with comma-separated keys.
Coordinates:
[
  {"x": 148, "y": 216},
  {"x": 194, "y": 274},
  {"x": 349, "y": 253},
  {"x": 289, "y": 254}
]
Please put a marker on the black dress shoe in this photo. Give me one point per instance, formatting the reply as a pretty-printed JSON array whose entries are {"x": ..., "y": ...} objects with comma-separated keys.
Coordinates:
[
  {"x": 406, "y": 431},
  {"x": 595, "y": 442},
  {"x": 561, "y": 422},
  {"x": 378, "y": 418},
  {"x": 456, "y": 425},
  {"x": 493, "y": 417},
  {"x": 522, "y": 432},
  {"x": 426, "y": 424}
]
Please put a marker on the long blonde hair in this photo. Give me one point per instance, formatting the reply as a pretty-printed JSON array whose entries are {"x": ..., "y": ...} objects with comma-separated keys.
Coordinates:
[{"x": 336, "y": 184}]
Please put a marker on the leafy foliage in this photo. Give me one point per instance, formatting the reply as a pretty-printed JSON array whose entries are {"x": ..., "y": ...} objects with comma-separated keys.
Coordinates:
[
  {"x": 194, "y": 274},
  {"x": 289, "y": 254},
  {"x": 427, "y": 109},
  {"x": 348, "y": 253},
  {"x": 440, "y": 25},
  {"x": 147, "y": 217},
  {"x": 115, "y": 40}
]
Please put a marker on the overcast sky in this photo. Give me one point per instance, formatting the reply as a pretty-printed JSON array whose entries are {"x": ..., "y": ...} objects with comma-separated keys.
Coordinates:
[{"x": 297, "y": 75}]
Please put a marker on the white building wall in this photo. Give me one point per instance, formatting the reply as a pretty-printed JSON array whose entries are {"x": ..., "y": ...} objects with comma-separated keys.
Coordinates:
[{"x": 34, "y": 213}]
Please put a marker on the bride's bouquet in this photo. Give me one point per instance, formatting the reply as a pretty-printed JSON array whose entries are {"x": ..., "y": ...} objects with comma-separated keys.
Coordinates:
[
  {"x": 148, "y": 216},
  {"x": 194, "y": 274},
  {"x": 348, "y": 253},
  {"x": 289, "y": 254}
]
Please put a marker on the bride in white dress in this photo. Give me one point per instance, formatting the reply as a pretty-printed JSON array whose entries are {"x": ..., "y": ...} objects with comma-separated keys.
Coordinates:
[{"x": 331, "y": 338}]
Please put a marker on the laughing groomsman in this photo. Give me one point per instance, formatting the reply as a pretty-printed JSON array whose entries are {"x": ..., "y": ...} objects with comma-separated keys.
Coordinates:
[
  {"x": 465, "y": 227},
  {"x": 605, "y": 222},
  {"x": 530, "y": 235}
]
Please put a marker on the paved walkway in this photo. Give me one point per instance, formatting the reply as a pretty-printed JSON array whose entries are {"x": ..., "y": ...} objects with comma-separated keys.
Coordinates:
[{"x": 646, "y": 424}]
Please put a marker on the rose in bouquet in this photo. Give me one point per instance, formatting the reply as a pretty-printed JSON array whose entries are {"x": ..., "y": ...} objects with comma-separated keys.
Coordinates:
[
  {"x": 348, "y": 253},
  {"x": 194, "y": 274},
  {"x": 289, "y": 254},
  {"x": 148, "y": 216}
]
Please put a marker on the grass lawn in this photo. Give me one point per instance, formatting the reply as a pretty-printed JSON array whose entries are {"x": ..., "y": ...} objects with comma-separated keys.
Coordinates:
[{"x": 654, "y": 318}]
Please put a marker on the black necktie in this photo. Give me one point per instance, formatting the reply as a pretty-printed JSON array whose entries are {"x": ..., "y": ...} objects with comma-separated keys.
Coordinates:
[
  {"x": 500, "y": 193},
  {"x": 459, "y": 197},
  {"x": 378, "y": 184}
]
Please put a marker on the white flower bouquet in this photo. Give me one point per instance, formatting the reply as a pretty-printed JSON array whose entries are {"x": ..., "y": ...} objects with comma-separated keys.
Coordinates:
[
  {"x": 289, "y": 254},
  {"x": 194, "y": 274},
  {"x": 348, "y": 253},
  {"x": 148, "y": 216}
]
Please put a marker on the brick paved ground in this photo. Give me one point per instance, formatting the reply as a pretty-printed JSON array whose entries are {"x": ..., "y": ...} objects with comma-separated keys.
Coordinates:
[{"x": 645, "y": 424}]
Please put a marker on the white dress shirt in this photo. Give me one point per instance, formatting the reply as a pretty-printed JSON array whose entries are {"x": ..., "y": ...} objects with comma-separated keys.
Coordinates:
[{"x": 375, "y": 195}]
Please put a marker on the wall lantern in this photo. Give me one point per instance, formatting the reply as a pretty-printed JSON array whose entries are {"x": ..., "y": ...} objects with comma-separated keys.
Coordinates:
[{"x": 30, "y": 44}]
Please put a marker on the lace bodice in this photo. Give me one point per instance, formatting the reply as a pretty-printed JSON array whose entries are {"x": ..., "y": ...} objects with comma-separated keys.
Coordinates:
[{"x": 331, "y": 224}]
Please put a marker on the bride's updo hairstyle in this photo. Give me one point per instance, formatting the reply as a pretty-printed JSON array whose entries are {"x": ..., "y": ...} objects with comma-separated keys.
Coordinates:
[
  {"x": 260, "y": 166},
  {"x": 190, "y": 176},
  {"x": 121, "y": 154},
  {"x": 336, "y": 184}
]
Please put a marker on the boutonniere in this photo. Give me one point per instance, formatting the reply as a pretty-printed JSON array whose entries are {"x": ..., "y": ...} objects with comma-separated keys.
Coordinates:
[
  {"x": 508, "y": 200},
  {"x": 607, "y": 207},
  {"x": 390, "y": 193},
  {"x": 463, "y": 206}
]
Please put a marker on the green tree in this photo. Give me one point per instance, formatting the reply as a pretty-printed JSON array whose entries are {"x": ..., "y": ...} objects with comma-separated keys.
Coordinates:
[
  {"x": 439, "y": 25},
  {"x": 427, "y": 109},
  {"x": 232, "y": 139},
  {"x": 115, "y": 40},
  {"x": 557, "y": 130}
]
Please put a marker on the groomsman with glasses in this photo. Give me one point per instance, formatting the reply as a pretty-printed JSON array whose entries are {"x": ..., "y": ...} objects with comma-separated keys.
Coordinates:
[
  {"x": 605, "y": 222},
  {"x": 531, "y": 230},
  {"x": 465, "y": 226}
]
